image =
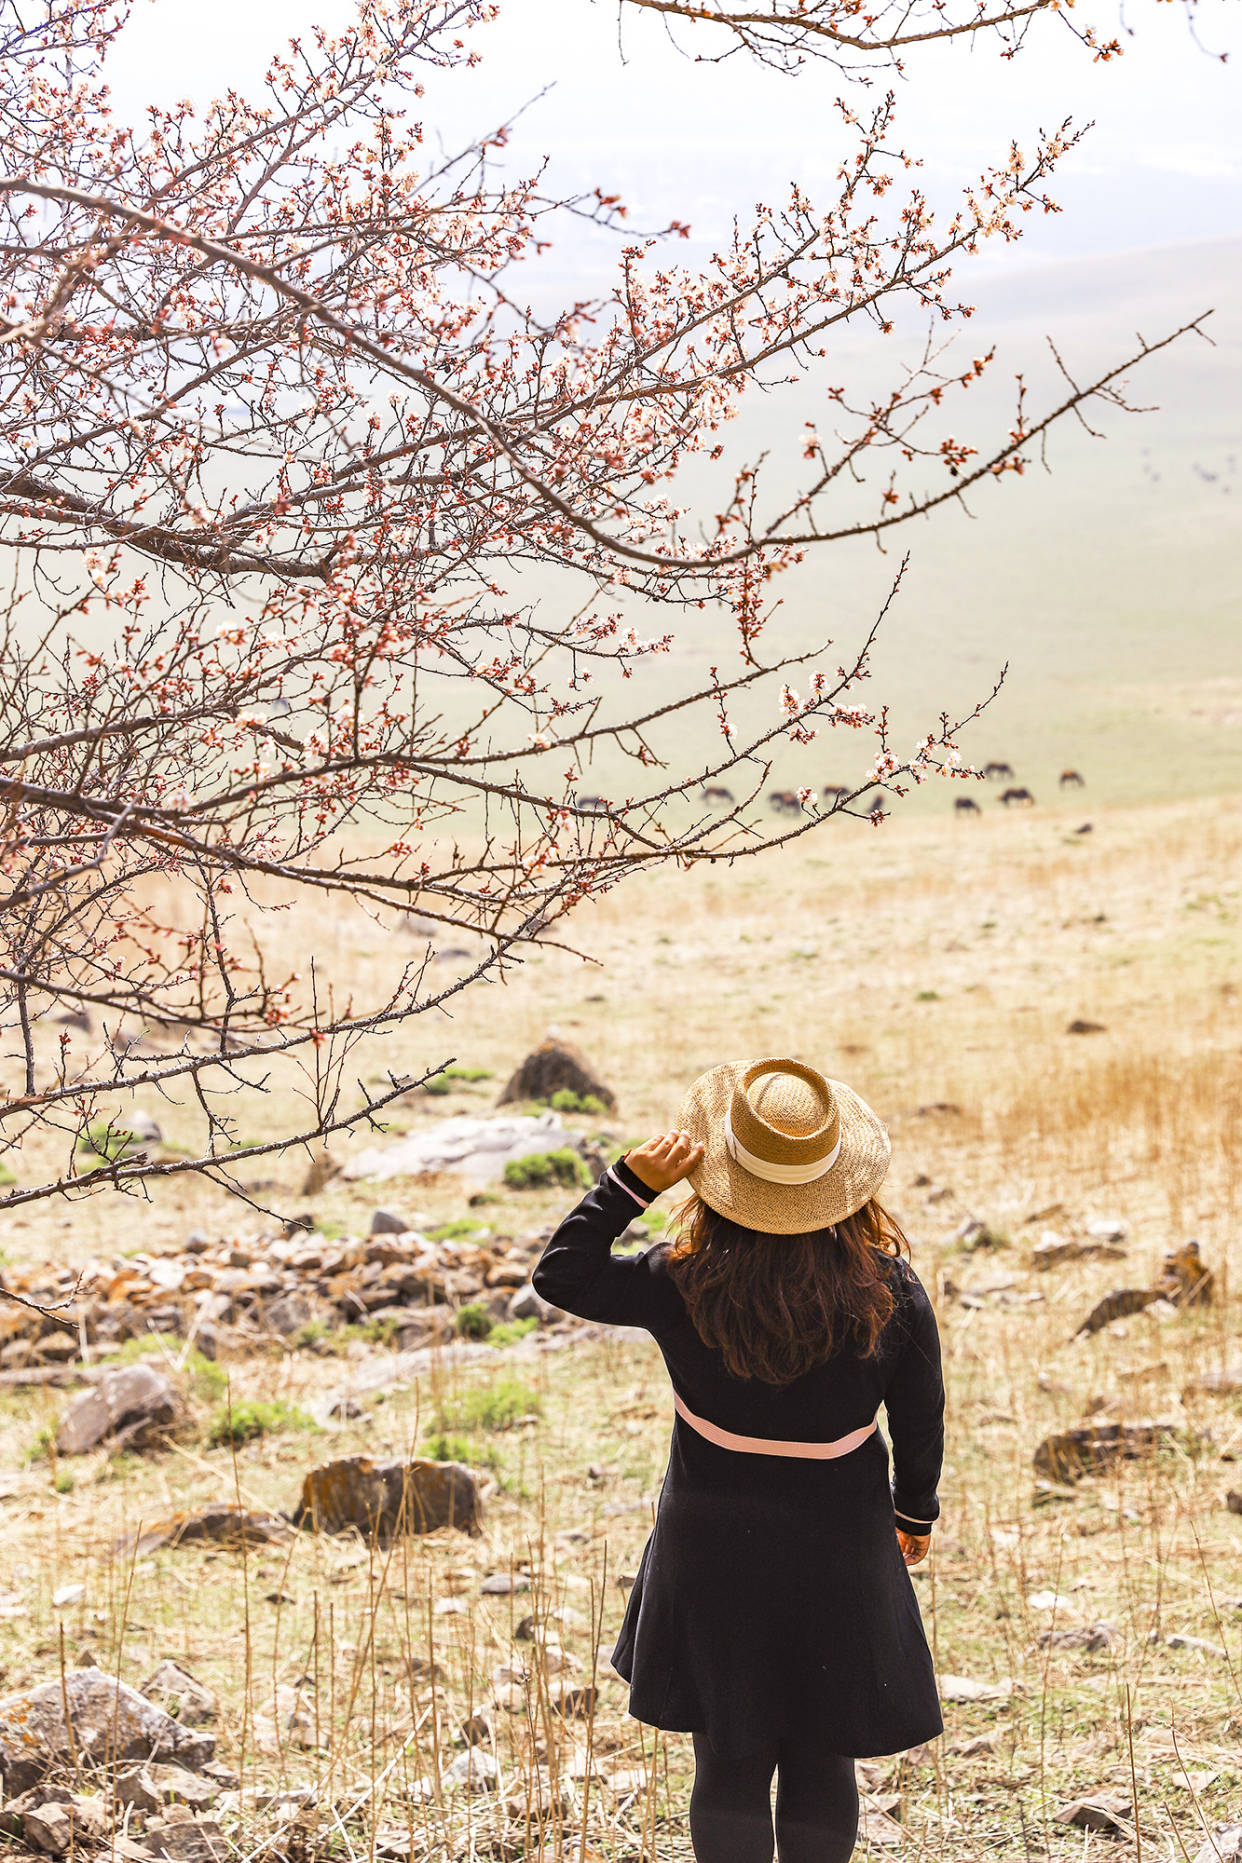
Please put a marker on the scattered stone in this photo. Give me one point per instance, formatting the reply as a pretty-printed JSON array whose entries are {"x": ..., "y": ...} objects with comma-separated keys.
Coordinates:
[
  {"x": 130, "y": 1407},
  {"x": 389, "y": 1223},
  {"x": 139, "y": 1790},
  {"x": 179, "y": 1787},
  {"x": 235, "y": 1296},
  {"x": 49, "y": 1828},
  {"x": 1102, "y": 1812},
  {"x": 1233, "y": 1501},
  {"x": 1118, "y": 1305},
  {"x": 181, "y": 1695},
  {"x": 293, "y": 1798},
  {"x": 1089, "y": 1637},
  {"x": 479, "y": 1730},
  {"x": 577, "y": 1703},
  {"x": 288, "y": 1314},
  {"x": 220, "y": 1523},
  {"x": 1108, "y": 1229},
  {"x": 525, "y": 1304},
  {"x": 111, "y": 1723},
  {"x": 965, "y": 1688},
  {"x": 474, "y": 1771},
  {"x": 500, "y": 1584},
  {"x": 66, "y": 1595},
  {"x": 975, "y": 1234},
  {"x": 1205, "y": 1648},
  {"x": 1185, "y": 1278},
  {"x": 1094, "y": 1447},
  {"x": 1053, "y": 1249},
  {"x": 555, "y": 1067},
  {"x": 1184, "y": 1281},
  {"x": 379, "y": 1499},
  {"x": 1224, "y": 1847},
  {"x": 971, "y": 1749},
  {"x": 187, "y": 1840},
  {"x": 477, "y": 1150}
]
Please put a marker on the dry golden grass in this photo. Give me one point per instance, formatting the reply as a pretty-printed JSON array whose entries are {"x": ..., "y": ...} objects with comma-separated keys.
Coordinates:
[{"x": 927, "y": 964}]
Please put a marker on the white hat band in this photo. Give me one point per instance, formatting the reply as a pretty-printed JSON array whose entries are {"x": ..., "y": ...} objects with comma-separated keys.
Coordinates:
[{"x": 778, "y": 1173}]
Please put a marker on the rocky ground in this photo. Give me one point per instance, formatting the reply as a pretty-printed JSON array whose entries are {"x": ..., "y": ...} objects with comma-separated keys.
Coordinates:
[{"x": 318, "y": 1531}]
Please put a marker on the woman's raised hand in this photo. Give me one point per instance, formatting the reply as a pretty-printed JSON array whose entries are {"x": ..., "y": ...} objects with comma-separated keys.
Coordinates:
[{"x": 664, "y": 1160}]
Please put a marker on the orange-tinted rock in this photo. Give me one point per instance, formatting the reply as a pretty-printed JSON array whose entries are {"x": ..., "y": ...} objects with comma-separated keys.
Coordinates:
[
  {"x": 381, "y": 1499},
  {"x": 1096, "y": 1446},
  {"x": 220, "y": 1523},
  {"x": 1185, "y": 1279}
]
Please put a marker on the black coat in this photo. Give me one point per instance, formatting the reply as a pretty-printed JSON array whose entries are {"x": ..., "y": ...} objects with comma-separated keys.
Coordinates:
[{"x": 771, "y": 1596}]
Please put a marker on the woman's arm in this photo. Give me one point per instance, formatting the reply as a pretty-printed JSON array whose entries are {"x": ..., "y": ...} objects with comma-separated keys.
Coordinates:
[
  {"x": 914, "y": 1400},
  {"x": 577, "y": 1270}
]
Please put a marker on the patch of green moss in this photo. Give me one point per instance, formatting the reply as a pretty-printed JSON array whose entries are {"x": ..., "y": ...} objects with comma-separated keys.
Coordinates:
[
  {"x": 495, "y": 1406},
  {"x": 444, "y": 1081},
  {"x": 510, "y": 1331},
  {"x": 247, "y": 1421},
  {"x": 541, "y": 1168},
  {"x": 458, "y": 1230},
  {"x": 473, "y": 1321},
  {"x": 565, "y": 1100}
]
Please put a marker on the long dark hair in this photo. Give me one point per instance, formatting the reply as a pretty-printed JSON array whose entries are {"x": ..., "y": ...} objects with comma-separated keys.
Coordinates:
[{"x": 776, "y": 1305}]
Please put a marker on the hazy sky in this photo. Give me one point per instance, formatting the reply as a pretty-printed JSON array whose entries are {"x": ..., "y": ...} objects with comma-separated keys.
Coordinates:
[{"x": 699, "y": 141}]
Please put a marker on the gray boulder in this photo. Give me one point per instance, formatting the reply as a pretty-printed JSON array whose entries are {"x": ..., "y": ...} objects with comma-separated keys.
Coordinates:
[
  {"x": 111, "y": 1723},
  {"x": 476, "y": 1150},
  {"x": 186, "y": 1839},
  {"x": 525, "y": 1304},
  {"x": 181, "y": 1694},
  {"x": 130, "y": 1407},
  {"x": 389, "y": 1223}
]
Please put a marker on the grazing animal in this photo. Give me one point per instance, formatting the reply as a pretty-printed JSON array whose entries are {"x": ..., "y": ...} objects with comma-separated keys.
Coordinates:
[
  {"x": 784, "y": 801},
  {"x": 1070, "y": 779},
  {"x": 966, "y": 805},
  {"x": 1022, "y": 796},
  {"x": 716, "y": 793},
  {"x": 833, "y": 792},
  {"x": 592, "y": 802},
  {"x": 1085, "y": 829},
  {"x": 998, "y": 770}
]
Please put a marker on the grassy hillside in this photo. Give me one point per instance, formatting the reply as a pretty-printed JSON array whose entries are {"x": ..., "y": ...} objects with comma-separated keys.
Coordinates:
[
  {"x": 1109, "y": 583},
  {"x": 936, "y": 967}
]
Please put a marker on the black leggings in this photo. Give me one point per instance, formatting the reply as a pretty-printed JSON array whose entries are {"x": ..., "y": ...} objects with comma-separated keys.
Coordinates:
[{"x": 731, "y": 1809}]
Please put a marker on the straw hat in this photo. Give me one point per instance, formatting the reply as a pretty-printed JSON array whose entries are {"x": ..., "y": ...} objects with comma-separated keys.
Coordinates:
[{"x": 787, "y": 1151}]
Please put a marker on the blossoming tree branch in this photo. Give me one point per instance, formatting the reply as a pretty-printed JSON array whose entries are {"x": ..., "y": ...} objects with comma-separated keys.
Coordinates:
[{"x": 284, "y": 442}]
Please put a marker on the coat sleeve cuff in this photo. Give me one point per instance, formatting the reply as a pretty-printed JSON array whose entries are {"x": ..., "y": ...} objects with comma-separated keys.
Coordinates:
[
  {"x": 909, "y": 1524},
  {"x": 620, "y": 1173}
]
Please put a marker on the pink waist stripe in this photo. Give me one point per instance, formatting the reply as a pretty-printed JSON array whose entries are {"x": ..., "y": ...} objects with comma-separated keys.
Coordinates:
[{"x": 768, "y": 1445}]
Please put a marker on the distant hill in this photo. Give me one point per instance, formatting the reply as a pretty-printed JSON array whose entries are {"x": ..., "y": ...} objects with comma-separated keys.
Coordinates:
[{"x": 1110, "y": 585}]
